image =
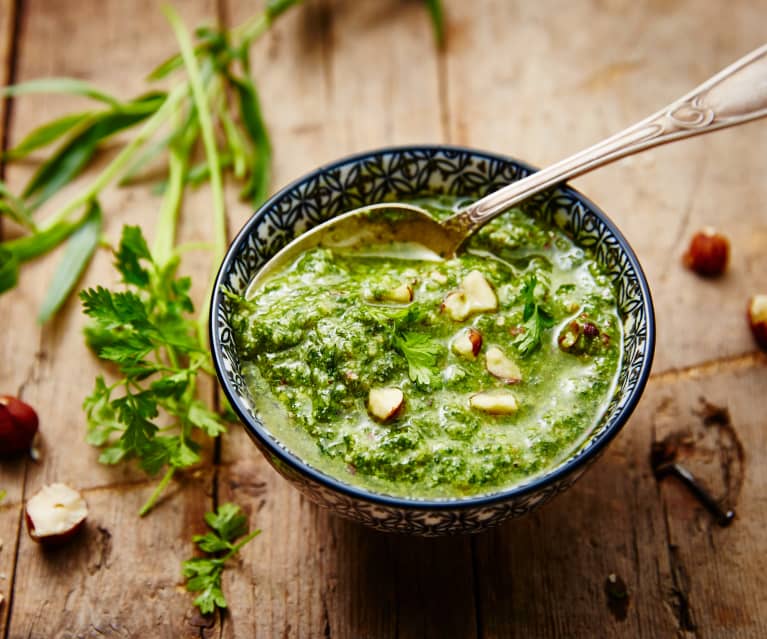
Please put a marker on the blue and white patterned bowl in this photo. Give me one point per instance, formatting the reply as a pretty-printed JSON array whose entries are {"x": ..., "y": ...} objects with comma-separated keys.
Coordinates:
[{"x": 400, "y": 174}]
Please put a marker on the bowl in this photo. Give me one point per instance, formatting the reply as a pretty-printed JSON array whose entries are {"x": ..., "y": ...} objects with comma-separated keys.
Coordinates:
[{"x": 403, "y": 173}]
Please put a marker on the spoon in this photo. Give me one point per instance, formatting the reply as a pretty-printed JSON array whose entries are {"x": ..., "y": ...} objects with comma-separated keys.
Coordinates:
[{"x": 733, "y": 96}]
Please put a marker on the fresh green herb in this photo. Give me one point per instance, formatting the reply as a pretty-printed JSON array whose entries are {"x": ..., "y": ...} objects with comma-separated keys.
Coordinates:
[
  {"x": 148, "y": 333},
  {"x": 219, "y": 95},
  {"x": 3, "y": 493},
  {"x": 534, "y": 316},
  {"x": 9, "y": 269},
  {"x": 437, "y": 20},
  {"x": 80, "y": 247},
  {"x": 218, "y": 70},
  {"x": 422, "y": 354},
  {"x": 203, "y": 574}
]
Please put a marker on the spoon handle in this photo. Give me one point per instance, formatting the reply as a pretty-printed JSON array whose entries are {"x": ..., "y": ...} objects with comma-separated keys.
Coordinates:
[{"x": 735, "y": 95}]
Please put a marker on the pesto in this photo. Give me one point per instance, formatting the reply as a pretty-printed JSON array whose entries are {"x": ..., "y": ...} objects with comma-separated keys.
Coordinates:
[{"x": 427, "y": 378}]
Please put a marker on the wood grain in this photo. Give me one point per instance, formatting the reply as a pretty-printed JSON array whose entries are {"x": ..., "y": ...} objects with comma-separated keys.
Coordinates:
[
  {"x": 51, "y": 368},
  {"x": 10, "y": 507},
  {"x": 536, "y": 81}
]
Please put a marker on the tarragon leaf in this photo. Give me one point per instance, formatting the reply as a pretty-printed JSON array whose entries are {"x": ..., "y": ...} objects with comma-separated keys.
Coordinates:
[{"x": 80, "y": 247}]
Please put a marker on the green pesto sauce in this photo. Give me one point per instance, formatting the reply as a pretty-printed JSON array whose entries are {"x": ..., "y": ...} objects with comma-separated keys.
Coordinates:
[{"x": 317, "y": 337}]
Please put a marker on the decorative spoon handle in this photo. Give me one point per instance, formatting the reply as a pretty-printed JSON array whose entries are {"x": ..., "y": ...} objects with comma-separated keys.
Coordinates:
[{"x": 733, "y": 96}]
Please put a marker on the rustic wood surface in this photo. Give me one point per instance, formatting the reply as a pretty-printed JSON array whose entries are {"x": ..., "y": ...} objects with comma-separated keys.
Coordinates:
[{"x": 533, "y": 80}]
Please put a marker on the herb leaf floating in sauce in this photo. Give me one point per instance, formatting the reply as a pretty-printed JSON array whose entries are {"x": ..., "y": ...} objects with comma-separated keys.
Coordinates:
[
  {"x": 434, "y": 379},
  {"x": 422, "y": 354},
  {"x": 535, "y": 318}
]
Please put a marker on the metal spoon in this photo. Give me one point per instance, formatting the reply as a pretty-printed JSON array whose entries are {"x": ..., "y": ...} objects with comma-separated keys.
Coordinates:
[{"x": 733, "y": 96}]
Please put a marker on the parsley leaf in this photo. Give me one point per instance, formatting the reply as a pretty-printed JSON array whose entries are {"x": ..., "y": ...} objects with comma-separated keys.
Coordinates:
[
  {"x": 534, "y": 317},
  {"x": 422, "y": 354},
  {"x": 203, "y": 574},
  {"x": 151, "y": 412}
]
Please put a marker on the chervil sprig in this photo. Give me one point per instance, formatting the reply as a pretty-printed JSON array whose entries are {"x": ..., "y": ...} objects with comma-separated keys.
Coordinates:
[
  {"x": 535, "y": 318},
  {"x": 203, "y": 574},
  {"x": 147, "y": 331}
]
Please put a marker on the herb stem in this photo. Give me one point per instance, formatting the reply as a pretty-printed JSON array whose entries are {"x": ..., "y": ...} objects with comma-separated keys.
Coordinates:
[
  {"x": 211, "y": 152},
  {"x": 171, "y": 203},
  {"x": 122, "y": 158},
  {"x": 236, "y": 548},
  {"x": 150, "y": 503}
]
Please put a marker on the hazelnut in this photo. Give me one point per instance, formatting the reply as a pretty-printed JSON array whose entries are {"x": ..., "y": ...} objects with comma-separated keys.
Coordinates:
[
  {"x": 708, "y": 253},
  {"x": 500, "y": 366},
  {"x": 18, "y": 426},
  {"x": 494, "y": 402},
  {"x": 55, "y": 514},
  {"x": 385, "y": 404},
  {"x": 468, "y": 343},
  {"x": 757, "y": 319}
]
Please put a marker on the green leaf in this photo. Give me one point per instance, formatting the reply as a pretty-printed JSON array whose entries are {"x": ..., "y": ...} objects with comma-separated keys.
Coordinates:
[
  {"x": 112, "y": 455},
  {"x": 31, "y": 246},
  {"x": 171, "y": 385},
  {"x": 72, "y": 86},
  {"x": 534, "y": 317},
  {"x": 228, "y": 521},
  {"x": 257, "y": 187},
  {"x": 114, "y": 309},
  {"x": 46, "y": 134},
  {"x": 211, "y": 543},
  {"x": 133, "y": 248},
  {"x": 210, "y": 599},
  {"x": 75, "y": 154},
  {"x": 154, "y": 452},
  {"x": 422, "y": 354},
  {"x": 437, "y": 20},
  {"x": 15, "y": 208},
  {"x": 199, "y": 567},
  {"x": 205, "y": 419},
  {"x": 203, "y": 574},
  {"x": 80, "y": 248},
  {"x": 9, "y": 269},
  {"x": 182, "y": 454}
]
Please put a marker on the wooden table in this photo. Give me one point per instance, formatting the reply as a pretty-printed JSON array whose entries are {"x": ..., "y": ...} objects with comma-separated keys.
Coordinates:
[{"x": 535, "y": 80}]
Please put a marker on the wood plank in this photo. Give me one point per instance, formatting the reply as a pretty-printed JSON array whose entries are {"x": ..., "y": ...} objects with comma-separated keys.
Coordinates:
[
  {"x": 545, "y": 576},
  {"x": 51, "y": 368},
  {"x": 312, "y": 573},
  {"x": 10, "y": 507},
  {"x": 549, "y": 88},
  {"x": 542, "y": 81}
]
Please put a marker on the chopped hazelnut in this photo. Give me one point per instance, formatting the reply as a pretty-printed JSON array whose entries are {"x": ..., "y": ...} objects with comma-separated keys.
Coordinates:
[{"x": 468, "y": 343}]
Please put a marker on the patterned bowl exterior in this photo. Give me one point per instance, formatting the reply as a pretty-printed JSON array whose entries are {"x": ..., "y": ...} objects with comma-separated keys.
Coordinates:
[{"x": 399, "y": 174}]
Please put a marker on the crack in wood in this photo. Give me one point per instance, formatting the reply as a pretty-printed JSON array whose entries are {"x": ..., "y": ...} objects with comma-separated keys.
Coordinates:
[
  {"x": 679, "y": 595},
  {"x": 732, "y": 455},
  {"x": 713, "y": 367}
]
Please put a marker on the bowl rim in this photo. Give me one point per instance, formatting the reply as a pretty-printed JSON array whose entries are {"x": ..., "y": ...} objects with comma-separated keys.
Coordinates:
[{"x": 537, "y": 482}]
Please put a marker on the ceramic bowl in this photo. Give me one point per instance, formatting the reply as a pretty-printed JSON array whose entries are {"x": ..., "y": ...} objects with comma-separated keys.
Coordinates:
[{"x": 400, "y": 174}]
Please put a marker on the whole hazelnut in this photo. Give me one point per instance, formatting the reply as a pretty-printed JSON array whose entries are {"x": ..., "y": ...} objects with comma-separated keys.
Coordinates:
[
  {"x": 757, "y": 319},
  {"x": 18, "y": 426},
  {"x": 708, "y": 253}
]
